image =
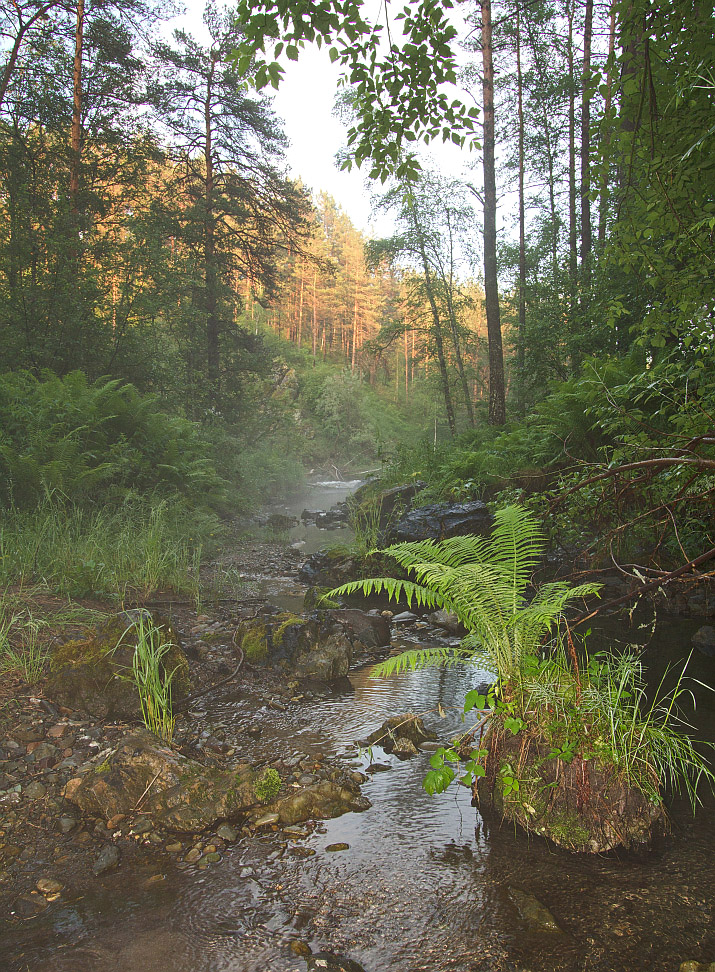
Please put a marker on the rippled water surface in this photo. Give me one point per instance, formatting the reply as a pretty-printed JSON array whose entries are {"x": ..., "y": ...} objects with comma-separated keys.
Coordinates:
[{"x": 424, "y": 885}]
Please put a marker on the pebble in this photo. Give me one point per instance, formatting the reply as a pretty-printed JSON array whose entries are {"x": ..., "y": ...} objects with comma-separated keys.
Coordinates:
[
  {"x": 175, "y": 848},
  {"x": 213, "y": 857},
  {"x": 246, "y": 873},
  {"x": 226, "y": 832},
  {"x": 332, "y": 848},
  {"x": 267, "y": 820},
  {"x": 142, "y": 827},
  {"x": 192, "y": 856},
  {"x": 35, "y": 790},
  {"x": 66, "y": 824},
  {"x": 29, "y": 905},
  {"x": 108, "y": 858},
  {"x": 49, "y": 886}
]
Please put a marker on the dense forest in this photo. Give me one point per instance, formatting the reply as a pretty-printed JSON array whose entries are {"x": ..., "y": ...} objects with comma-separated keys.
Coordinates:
[{"x": 180, "y": 319}]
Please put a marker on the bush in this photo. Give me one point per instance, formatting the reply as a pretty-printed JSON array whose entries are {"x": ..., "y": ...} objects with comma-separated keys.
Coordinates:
[{"x": 94, "y": 441}]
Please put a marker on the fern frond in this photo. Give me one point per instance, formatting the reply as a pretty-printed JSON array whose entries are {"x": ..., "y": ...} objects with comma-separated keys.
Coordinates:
[
  {"x": 415, "y": 659},
  {"x": 394, "y": 589}
]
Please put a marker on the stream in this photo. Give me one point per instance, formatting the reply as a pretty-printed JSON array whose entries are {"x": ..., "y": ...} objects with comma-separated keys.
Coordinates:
[{"x": 424, "y": 883}]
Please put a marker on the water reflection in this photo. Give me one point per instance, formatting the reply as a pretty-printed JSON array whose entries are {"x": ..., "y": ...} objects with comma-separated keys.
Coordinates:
[{"x": 425, "y": 883}]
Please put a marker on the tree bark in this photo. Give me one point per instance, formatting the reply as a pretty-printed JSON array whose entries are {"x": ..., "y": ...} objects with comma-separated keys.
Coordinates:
[
  {"x": 521, "y": 334},
  {"x": 211, "y": 276},
  {"x": 76, "y": 130},
  {"x": 606, "y": 137},
  {"x": 586, "y": 242},
  {"x": 573, "y": 229},
  {"x": 497, "y": 396}
]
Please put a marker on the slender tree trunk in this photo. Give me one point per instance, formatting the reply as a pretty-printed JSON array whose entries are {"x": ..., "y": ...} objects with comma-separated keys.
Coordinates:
[
  {"x": 573, "y": 230},
  {"x": 210, "y": 268},
  {"x": 606, "y": 137},
  {"x": 449, "y": 291},
  {"x": 439, "y": 344},
  {"x": 548, "y": 136},
  {"x": 586, "y": 242},
  {"x": 300, "y": 307},
  {"x": 315, "y": 316},
  {"x": 76, "y": 130},
  {"x": 521, "y": 339},
  {"x": 497, "y": 395}
]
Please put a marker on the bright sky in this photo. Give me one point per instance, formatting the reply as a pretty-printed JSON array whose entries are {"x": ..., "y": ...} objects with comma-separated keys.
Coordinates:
[{"x": 305, "y": 102}]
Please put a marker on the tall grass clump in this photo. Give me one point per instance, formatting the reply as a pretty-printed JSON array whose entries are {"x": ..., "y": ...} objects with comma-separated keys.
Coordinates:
[
  {"x": 152, "y": 680},
  {"x": 141, "y": 545}
]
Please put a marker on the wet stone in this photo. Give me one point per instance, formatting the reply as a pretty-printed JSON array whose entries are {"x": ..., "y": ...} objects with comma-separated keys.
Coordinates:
[
  {"x": 48, "y": 885},
  {"x": 108, "y": 858},
  {"x": 66, "y": 824},
  {"x": 35, "y": 790},
  {"x": 29, "y": 905},
  {"x": 227, "y": 832},
  {"x": 192, "y": 856},
  {"x": 175, "y": 848},
  {"x": 334, "y": 848},
  {"x": 212, "y": 858}
]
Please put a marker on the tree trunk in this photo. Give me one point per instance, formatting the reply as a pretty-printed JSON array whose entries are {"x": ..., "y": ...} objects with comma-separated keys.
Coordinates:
[
  {"x": 449, "y": 290},
  {"x": 210, "y": 269},
  {"x": 439, "y": 344},
  {"x": 497, "y": 397},
  {"x": 573, "y": 230},
  {"x": 76, "y": 130},
  {"x": 606, "y": 137},
  {"x": 586, "y": 243},
  {"x": 521, "y": 333}
]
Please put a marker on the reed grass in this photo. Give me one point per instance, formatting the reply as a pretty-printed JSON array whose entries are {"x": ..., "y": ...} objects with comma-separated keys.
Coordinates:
[{"x": 132, "y": 549}]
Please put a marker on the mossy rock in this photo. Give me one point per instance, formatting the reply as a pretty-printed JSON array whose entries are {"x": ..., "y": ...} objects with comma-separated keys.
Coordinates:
[
  {"x": 177, "y": 793},
  {"x": 307, "y": 647},
  {"x": 93, "y": 674},
  {"x": 582, "y": 805}
]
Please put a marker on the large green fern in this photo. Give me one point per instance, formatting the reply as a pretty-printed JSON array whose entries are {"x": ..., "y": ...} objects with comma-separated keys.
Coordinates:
[{"x": 483, "y": 580}]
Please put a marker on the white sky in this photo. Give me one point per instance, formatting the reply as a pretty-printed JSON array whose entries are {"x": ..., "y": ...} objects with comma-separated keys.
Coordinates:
[{"x": 305, "y": 102}]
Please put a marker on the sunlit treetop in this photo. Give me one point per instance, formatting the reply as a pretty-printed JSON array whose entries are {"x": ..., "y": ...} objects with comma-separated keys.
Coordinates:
[{"x": 397, "y": 72}]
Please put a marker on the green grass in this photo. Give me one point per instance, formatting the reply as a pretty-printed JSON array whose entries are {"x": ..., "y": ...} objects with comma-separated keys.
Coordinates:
[
  {"x": 132, "y": 549},
  {"x": 153, "y": 682}
]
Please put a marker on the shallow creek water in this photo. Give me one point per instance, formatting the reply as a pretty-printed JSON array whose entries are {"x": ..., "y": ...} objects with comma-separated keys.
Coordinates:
[{"x": 424, "y": 884}]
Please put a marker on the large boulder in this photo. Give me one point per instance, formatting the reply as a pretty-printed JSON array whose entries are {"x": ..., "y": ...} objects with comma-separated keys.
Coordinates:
[
  {"x": 93, "y": 674},
  {"x": 321, "y": 801},
  {"x": 441, "y": 520},
  {"x": 306, "y": 647},
  {"x": 579, "y": 804},
  {"x": 389, "y": 503},
  {"x": 175, "y": 792}
]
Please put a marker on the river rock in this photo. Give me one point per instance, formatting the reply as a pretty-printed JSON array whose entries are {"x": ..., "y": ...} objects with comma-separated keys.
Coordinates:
[
  {"x": 321, "y": 801},
  {"x": 697, "y": 967},
  {"x": 390, "y": 502},
  {"x": 401, "y": 735},
  {"x": 175, "y": 792},
  {"x": 441, "y": 520},
  {"x": 330, "y": 962},
  {"x": 704, "y": 639},
  {"x": 107, "y": 858},
  {"x": 306, "y": 647},
  {"x": 369, "y": 630},
  {"x": 533, "y": 911},
  {"x": 449, "y": 621},
  {"x": 91, "y": 673}
]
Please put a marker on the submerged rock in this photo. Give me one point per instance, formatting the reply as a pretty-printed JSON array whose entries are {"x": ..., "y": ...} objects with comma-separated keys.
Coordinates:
[
  {"x": 533, "y": 911},
  {"x": 175, "y": 792},
  {"x": 321, "y": 801},
  {"x": 704, "y": 639},
  {"x": 92, "y": 674},
  {"x": 401, "y": 735}
]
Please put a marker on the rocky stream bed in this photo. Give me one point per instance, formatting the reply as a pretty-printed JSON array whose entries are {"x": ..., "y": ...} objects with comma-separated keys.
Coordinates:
[{"x": 350, "y": 859}]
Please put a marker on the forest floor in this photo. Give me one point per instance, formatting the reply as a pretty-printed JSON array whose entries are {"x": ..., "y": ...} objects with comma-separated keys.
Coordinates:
[{"x": 48, "y": 850}]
